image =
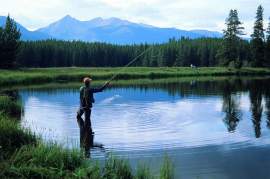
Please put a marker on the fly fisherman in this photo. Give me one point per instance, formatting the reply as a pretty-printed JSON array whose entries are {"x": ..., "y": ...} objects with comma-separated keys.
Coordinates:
[{"x": 86, "y": 101}]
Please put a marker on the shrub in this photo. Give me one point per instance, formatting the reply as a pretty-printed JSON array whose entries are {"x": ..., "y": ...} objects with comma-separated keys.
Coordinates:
[{"x": 9, "y": 107}]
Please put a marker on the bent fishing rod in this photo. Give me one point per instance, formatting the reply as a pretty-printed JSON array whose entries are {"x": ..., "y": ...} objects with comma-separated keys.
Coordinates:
[{"x": 128, "y": 64}]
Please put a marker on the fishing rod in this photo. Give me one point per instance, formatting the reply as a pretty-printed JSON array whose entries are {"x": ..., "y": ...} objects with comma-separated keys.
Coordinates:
[{"x": 132, "y": 61}]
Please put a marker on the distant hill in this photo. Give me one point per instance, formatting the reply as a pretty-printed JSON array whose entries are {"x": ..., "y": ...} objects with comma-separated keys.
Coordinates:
[
  {"x": 26, "y": 34},
  {"x": 111, "y": 30}
]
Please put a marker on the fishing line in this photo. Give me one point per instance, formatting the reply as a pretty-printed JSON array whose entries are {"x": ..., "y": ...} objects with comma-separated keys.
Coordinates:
[{"x": 132, "y": 61}]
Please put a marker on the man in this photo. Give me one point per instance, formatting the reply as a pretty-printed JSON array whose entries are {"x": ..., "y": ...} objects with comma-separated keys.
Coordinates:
[{"x": 86, "y": 101}]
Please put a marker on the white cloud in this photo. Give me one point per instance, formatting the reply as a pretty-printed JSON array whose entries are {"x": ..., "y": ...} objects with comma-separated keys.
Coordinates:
[{"x": 192, "y": 14}]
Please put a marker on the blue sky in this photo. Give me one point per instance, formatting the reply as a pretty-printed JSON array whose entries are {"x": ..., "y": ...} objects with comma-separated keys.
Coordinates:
[{"x": 183, "y": 14}]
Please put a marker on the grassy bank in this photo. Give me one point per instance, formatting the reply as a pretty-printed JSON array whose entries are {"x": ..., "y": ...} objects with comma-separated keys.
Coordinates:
[
  {"x": 139, "y": 83},
  {"x": 45, "y": 75},
  {"x": 24, "y": 155}
]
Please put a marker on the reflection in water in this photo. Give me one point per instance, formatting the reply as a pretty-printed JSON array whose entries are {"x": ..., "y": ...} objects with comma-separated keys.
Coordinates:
[
  {"x": 231, "y": 108},
  {"x": 267, "y": 106},
  {"x": 87, "y": 143},
  {"x": 87, "y": 136},
  {"x": 255, "y": 95}
]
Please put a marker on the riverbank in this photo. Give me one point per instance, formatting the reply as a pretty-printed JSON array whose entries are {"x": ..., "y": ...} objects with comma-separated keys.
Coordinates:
[
  {"x": 48, "y": 75},
  {"x": 25, "y": 155}
]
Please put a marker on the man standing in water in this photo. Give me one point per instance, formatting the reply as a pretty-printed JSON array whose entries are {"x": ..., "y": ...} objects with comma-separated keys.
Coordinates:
[{"x": 86, "y": 101}]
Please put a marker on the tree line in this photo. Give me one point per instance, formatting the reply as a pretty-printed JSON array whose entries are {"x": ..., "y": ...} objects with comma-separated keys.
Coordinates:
[
  {"x": 182, "y": 52},
  {"x": 231, "y": 50}
]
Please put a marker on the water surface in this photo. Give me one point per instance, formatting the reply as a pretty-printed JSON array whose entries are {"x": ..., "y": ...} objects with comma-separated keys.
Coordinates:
[{"x": 209, "y": 129}]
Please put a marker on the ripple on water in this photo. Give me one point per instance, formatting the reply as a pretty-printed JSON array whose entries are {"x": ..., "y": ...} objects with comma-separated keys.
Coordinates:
[{"x": 124, "y": 124}]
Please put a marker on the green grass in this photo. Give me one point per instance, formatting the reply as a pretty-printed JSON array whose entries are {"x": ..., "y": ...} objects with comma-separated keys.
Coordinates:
[
  {"x": 53, "y": 161},
  {"x": 143, "y": 172},
  {"x": 45, "y": 160},
  {"x": 45, "y": 75},
  {"x": 23, "y": 155},
  {"x": 117, "y": 169}
]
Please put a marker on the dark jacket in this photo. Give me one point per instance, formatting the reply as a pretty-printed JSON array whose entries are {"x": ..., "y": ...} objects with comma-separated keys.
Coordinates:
[{"x": 87, "y": 95}]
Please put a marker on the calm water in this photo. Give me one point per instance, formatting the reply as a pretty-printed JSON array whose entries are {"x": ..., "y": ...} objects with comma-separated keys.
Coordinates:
[{"x": 209, "y": 129}]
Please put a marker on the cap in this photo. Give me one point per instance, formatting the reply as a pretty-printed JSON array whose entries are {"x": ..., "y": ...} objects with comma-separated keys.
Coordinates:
[{"x": 87, "y": 79}]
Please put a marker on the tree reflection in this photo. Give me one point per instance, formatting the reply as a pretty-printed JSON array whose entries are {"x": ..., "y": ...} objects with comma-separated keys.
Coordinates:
[
  {"x": 267, "y": 106},
  {"x": 255, "y": 95},
  {"x": 231, "y": 108}
]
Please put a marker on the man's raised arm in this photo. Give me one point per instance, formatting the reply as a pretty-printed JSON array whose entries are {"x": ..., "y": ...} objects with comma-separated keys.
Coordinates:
[{"x": 96, "y": 90}]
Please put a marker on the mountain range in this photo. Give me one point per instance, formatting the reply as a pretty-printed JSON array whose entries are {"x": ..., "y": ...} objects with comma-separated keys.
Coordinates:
[{"x": 111, "y": 30}]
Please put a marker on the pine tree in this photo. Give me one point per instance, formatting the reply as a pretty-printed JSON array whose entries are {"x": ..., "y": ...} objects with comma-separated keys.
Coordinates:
[
  {"x": 267, "y": 46},
  {"x": 159, "y": 59},
  {"x": 1, "y": 47},
  {"x": 231, "y": 39},
  {"x": 179, "y": 58},
  {"x": 257, "y": 42},
  {"x": 9, "y": 42}
]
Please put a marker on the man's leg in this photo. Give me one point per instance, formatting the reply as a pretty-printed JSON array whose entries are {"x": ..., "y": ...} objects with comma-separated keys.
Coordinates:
[
  {"x": 88, "y": 143},
  {"x": 87, "y": 125},
  {"x": 81, "y": 125},
  {"x": 79, "y": 118}
]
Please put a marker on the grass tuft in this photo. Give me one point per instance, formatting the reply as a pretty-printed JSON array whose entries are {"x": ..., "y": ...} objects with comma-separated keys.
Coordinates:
[
  {"x": 117, "y": 169},
  {"x": 143, "y": 172},
  {"x": 166, "y": 171}
]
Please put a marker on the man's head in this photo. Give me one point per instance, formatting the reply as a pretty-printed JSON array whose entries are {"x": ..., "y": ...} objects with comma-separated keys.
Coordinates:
[{"x": 87, "y": 81}]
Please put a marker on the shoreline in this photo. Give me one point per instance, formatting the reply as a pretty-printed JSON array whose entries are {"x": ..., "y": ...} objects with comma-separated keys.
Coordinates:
[{"x": 29, "y": 76}]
